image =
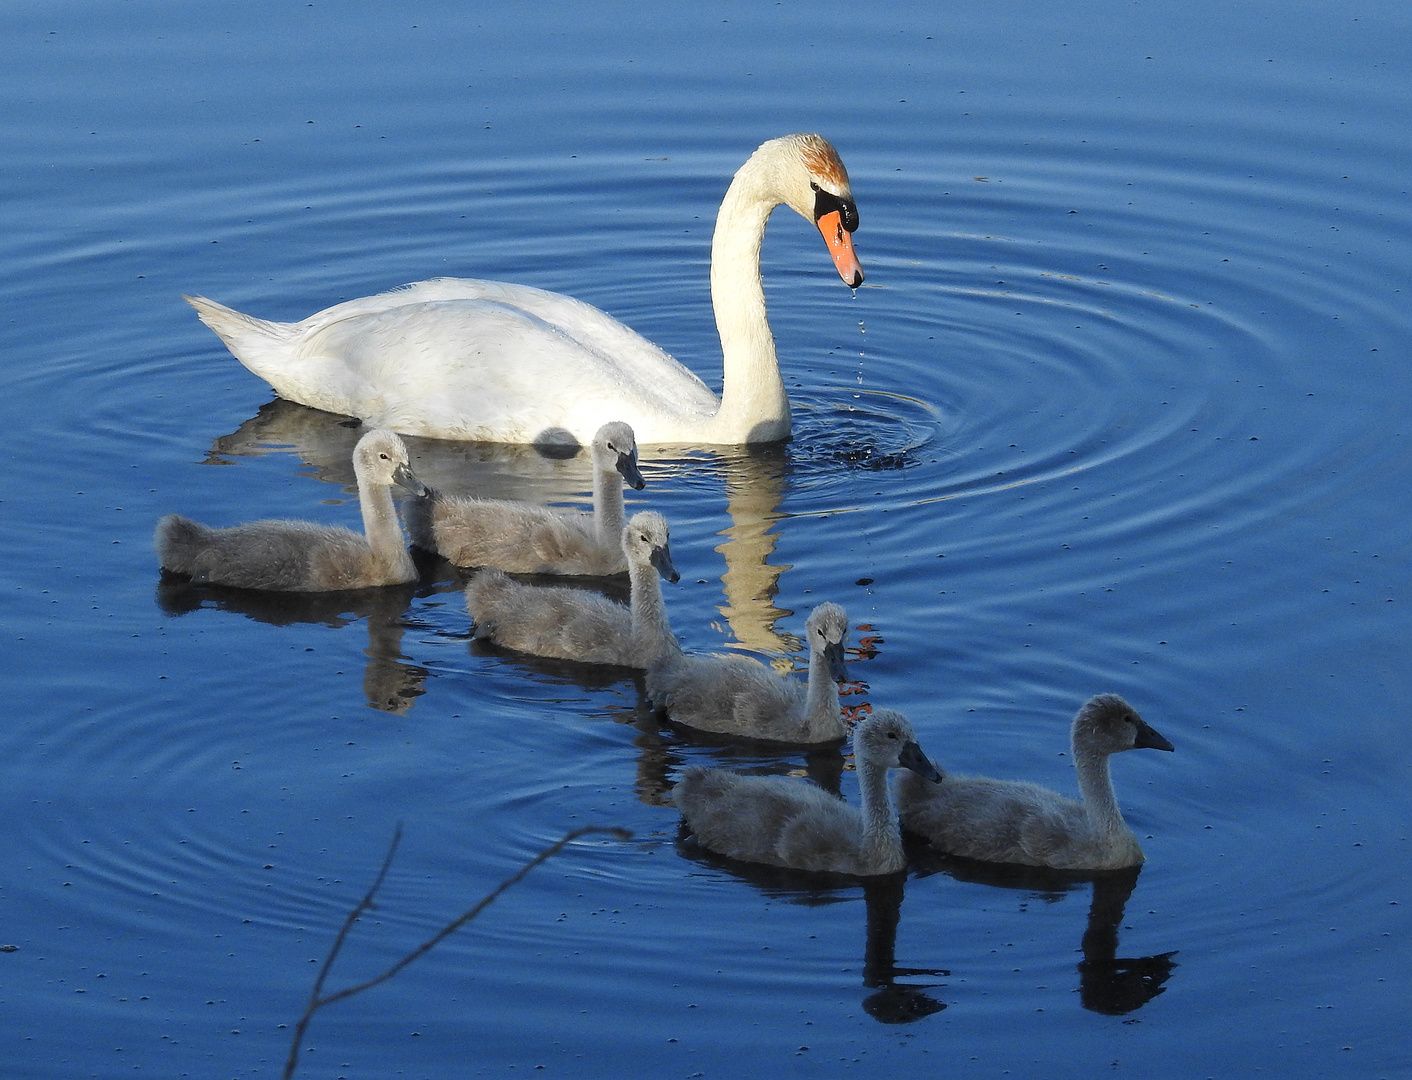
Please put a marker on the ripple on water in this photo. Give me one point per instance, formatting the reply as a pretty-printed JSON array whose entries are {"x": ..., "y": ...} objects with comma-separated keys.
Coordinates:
[{"x": 1114, "y": 386}]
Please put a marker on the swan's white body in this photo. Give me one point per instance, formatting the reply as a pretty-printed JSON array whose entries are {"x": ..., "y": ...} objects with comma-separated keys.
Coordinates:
[{"x": 457, "y": 358}]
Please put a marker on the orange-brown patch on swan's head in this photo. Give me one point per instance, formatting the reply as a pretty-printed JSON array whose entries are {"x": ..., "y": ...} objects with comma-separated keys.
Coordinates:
[{"x": 823, "y": 162}]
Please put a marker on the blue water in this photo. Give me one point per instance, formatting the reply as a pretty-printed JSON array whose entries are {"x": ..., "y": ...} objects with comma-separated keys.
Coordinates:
[{"x": 1123, "y": 406}]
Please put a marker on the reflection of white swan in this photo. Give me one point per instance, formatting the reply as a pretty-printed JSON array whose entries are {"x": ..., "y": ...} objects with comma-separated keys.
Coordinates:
[
  {"x": 301, "y": 556},
  {"x": 1017, "y": 822},
  {"x": 574, "y": 624},
  {"x": 458, "y": 358},
  {"x": 769, "y": 819},
  {"x": 738, "y": 695},
  {"x": 525, "y": 538}
]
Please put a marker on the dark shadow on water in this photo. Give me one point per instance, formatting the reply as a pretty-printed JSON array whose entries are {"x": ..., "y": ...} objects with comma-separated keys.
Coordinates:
[
  {"x": 891, "y": 1002},
  {"x": 390, "y": 682},
  {"x": 662, "y": 752},
  {"x": 559, "y": 672},
  {"x": 1108, "y": 983}
]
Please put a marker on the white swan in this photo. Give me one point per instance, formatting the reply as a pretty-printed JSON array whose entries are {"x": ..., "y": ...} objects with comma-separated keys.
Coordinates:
[
  {"x": 457, "y": 358},
  {"x": 782, "y": 822},
  {"x": 738, "y": 695},
  {"x": 525, "y": 538},
  {"x": 1016, "y": 822},
  {"x": 574, "y": 624},
  {"x": 301, "y": 556}
]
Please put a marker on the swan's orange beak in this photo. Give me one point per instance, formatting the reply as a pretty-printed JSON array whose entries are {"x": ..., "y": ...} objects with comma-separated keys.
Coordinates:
[{"x": 840, "y": 242}]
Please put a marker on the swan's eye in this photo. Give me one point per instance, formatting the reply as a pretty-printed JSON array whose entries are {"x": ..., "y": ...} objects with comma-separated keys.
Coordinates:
[{"x": 892, "y": 734}]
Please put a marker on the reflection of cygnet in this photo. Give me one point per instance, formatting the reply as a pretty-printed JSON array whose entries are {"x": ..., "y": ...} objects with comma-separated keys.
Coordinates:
[
  {"x": 738, "y": 695},
  {"x": 1018, "y": 822},
  {"x": 574, "y": 624},
  {"x": 527, "y": 539},
  {"x": 301, "y": 556},
  {"x": 783, "y": 822}
]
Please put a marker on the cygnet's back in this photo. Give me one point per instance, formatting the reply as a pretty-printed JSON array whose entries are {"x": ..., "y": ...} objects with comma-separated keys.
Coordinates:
[
  {"x": 525, "y": 538},
  {"x": 784, "y": 822},
  {"x": 1018, "y": 822},
  {"x": 738, "y": 695},
  {"x": 301, "y": 556},
  {"x": 574, "y": 624}
]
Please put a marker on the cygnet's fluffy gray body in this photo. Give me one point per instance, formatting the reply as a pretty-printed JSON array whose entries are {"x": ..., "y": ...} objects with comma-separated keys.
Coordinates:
[
  {"x": 574, "y": 624},
  {"x": 1016, "y": 822},
  {"x": 524, "y": 538},
  {"x": 301, "y": 556},
  {"x": 792, "y": 823},
  {"x": 738, "y": 695}
]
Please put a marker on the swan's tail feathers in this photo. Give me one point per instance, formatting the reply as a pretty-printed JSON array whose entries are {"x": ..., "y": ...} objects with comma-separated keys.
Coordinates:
[
  {"x": 234, "y": 327},
  {"x": 266, "y": 348},
  {"x": 485, "y": 596},
  {"x": 179, "y": 541}
]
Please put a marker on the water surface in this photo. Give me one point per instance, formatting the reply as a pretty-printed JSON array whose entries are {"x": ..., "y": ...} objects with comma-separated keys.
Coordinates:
[{"x": 1121, "y": 407}]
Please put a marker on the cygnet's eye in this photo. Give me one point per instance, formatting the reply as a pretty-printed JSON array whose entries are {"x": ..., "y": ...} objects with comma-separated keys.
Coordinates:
[
  {"x": 892, "y": 734},
  {"x": 384, "y": 457}
]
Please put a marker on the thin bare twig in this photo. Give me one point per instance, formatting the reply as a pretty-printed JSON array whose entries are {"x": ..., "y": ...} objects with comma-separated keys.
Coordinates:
[{"x": 317, "y": 999}]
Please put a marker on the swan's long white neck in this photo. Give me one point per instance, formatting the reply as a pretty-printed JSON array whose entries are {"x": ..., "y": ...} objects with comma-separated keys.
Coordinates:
[
  {"x": 1096, "y": 785},
  {"x": 651, "y": 633},
  {"x": 881, "y": 849},
  {"x": 384, "y": 532},
  {"x": 754, "y": 406},
  {"x": 821, "y": 699},
  {"x": 607, "y": 504}
]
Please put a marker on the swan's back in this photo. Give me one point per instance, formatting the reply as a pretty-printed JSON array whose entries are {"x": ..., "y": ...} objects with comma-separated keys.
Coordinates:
[
  {"x": 514, "y": 536},
  {"x": 734, "y": 695},
  {"x": 738, "y": 695},
  {"x": 1007, "y": 821},
  {"x": 550, "y": 620},
  {"x": 459, "y": 358},
  {"x": 769, "y": 819},
  {"x": 274, "y": 554}
]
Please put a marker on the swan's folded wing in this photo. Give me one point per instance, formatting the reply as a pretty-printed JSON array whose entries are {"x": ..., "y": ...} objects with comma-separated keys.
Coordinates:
[{"x": 489, "y": 369}]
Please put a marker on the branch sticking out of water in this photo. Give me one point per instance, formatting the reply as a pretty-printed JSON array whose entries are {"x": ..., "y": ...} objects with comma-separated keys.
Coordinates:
[{"x": 317, "y": 998}]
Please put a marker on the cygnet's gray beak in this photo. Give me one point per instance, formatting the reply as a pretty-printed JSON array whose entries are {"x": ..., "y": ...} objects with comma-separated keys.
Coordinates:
[
  {"x": 913, "y": 758},
  {"x": 833, "y": 657},
  {"x": 661, "y": 558},
  {"x": 632, "y": 476},
  {"x": 1148, "y": 739},
  {"x": 403, "y": 476}
]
